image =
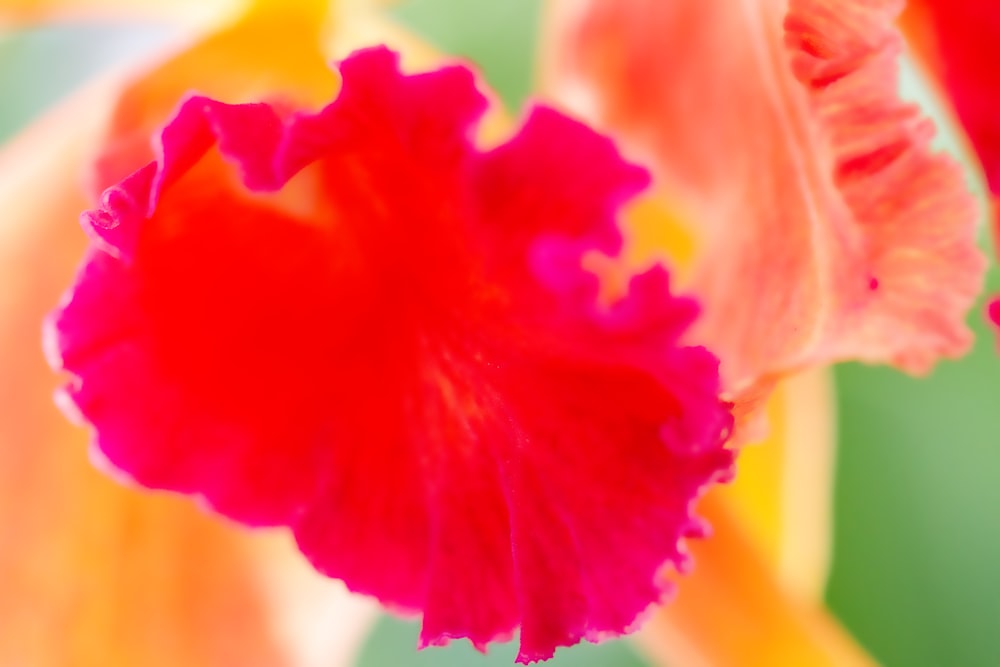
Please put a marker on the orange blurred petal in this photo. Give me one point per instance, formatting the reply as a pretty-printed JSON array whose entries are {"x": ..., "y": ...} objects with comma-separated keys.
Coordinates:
[
  {"x": 184, "y": 12},
  {"x": 733, "y": 611},
  {"x": 274, "y": 52},
  {"x": 783, "y": 491},
  {"x": 826, "y": 229},
  {"x": 755, "y": 594},
  {"x": 192, "y": 13},
  {"x": 92, "y": 573}
]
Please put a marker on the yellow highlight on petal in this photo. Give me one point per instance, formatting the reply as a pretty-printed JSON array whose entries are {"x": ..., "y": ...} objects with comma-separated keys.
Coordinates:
[
  {"x": 782, "y": 493},
  {"x": 655, "y": 231}
]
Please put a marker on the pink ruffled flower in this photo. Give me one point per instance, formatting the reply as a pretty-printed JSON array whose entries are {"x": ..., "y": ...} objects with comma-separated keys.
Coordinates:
[
  {"x": 356, "y": 324},
  {"x": 827, "y": 227}
]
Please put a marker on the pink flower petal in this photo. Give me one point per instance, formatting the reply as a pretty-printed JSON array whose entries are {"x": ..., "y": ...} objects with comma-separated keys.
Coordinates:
[
  {"x": 827, "y": 228},
  {"x": 355, "y": 324}
]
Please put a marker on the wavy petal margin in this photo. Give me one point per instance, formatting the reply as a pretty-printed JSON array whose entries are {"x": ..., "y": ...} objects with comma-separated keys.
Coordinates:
[
  {"x": 826, "y": 227},
  {"x": 382, "y": 337}
]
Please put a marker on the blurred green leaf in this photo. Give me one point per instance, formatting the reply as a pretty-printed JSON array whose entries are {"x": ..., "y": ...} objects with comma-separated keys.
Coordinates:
[
  {"x": 393, "y": 642},
  {"x": 917, "y": 540},
  {"x": 917, "y": 561},
  {"x": 497, "y": 37}
]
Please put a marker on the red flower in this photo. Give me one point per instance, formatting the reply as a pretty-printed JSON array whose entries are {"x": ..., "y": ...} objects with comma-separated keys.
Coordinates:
[
  {"x": 381, "y": 337},
  {"x": 957, "y": 40}
]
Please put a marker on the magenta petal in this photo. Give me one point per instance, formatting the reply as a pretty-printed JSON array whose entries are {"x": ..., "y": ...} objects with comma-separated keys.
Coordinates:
[
  {"x": 574, "y": 185},
  {"x": 355, "y": 324}
]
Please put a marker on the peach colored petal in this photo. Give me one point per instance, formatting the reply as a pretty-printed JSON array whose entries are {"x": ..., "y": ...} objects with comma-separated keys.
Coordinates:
[
  {"x": 826, "y": 229},
  {"x": 317, "y": 619},
  {"x": 193, "y": 13},
  {"x": 734, "y": 612},
  {"x": 184, "y": 12},
  {"x": 93, "y": 574}
]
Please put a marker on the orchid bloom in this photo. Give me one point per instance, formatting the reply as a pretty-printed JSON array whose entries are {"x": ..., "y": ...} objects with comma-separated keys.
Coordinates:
[{"x": 800, "y": 219}]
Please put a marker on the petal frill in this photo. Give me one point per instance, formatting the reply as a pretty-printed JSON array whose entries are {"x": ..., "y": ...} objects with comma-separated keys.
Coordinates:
[
  {"x": 91, "y": 573},
  {"x": 826, "y": 229},
  {"x": 355, "y": 323}
]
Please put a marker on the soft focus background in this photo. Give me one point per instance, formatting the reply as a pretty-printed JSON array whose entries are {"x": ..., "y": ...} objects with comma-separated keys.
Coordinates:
[{"x": 916, "y": 573}]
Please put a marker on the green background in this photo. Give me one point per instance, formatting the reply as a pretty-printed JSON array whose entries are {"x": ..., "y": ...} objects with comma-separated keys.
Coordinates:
[{"x": 916, "y": 573}]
